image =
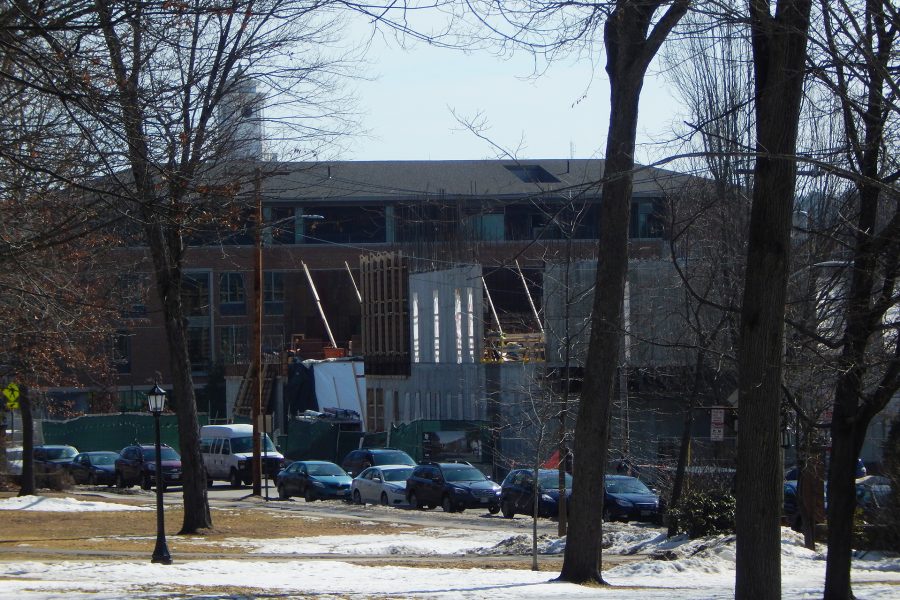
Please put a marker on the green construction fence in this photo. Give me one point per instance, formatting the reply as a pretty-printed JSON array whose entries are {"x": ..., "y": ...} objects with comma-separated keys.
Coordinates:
[{"x": 112, "y": 432}]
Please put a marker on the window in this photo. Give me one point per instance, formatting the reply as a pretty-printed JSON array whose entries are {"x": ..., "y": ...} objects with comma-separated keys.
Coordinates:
[
  {"x": 437, "y": 327},
  {"x": 232, "y": 294},
  {"x": 344, "y": 225},
  {"x": 532, "y": 173},
  {"x": 415, "y": 326},
  {"x": 233, "y": 344},
  {"x": 375, "y": 409},
  {"x": 458, "y": 322},
  {"x": 133, "y": 288},
  {"x": 195, "y": 294},
  {"x": 281, "y": 225},
  {"x": 646, "y": 219},
  {"x": 273, "y": 292},
  {"x": 198, "y": 348},
  {"x": 120, "y": 351},
  {"x": 470, "y": 314}
]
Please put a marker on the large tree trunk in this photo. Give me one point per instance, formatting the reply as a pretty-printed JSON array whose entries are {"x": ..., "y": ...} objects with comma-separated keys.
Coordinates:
[
  {"x": 779, "y": 53},
  {"x": 196, "y": 503},
  {"x": 629, "y": 52}
]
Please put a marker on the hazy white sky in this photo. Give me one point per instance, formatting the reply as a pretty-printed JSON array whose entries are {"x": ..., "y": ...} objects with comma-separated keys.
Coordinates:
[{"x": 561, "y": 114}]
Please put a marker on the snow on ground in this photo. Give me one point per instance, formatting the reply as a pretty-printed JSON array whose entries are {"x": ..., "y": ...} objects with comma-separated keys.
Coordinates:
[
  {"x": 428, "y": 542},
  {"x": 42, "y": 503},
  {"x": 670, "y": 569}
]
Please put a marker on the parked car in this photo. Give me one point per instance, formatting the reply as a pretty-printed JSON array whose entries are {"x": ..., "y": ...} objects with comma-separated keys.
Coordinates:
[
  {"x": 385, "y": 485},
  {"x": 14, "y": 461},
  {"x": 628, "y": 499},
  {"x": 137, "y": 465},
  {"x": 359, "y": 460},
  {"x": 873, "y": 497},
  {"x": 314, "y": 480},
  {"x": 227, "y": 452},
  {"x": 52, "y": 458},
  {"x": 453, "y": 486},
  {"x": 94, "y": 468},
  {"x": 517, "y": 492}
]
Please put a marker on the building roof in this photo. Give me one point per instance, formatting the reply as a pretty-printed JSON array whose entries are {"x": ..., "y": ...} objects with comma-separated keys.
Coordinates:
[{"x": 419, "y": 179}]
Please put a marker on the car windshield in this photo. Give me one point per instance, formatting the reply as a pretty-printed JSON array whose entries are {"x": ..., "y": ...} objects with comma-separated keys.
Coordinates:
[
  {"x": 627, "y": 485},
  {"x": 244, "y": 445},
  {"x": 165, "y": 454},
  {"x": 57, "y": 453},
  {"x": 103, "y": 459},
  {"x": 463, "y": 474},
  {"x": 326, "y": 470},
  {"x": 392, "y": 458},
  {"x": 550, "y": 481},
  {"x": 397, "y": 474},
  {"x": 13, "y": 455}
]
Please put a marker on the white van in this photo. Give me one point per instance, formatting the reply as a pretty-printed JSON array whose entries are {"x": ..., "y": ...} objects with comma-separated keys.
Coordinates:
[{"x": 227, "y": 452}]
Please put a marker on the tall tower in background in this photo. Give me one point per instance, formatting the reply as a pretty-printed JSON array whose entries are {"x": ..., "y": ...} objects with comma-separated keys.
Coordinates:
[{"x": 240, "y": 119}]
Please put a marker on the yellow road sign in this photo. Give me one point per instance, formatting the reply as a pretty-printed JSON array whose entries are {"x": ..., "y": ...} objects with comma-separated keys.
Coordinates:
[{"x": 11, "y": 393}]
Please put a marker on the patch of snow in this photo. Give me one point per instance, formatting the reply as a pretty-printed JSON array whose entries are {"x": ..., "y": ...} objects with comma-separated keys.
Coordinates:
[{"x": 45, "y": 504}]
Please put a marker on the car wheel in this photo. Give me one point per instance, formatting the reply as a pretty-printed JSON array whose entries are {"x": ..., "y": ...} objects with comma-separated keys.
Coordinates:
[
  {"x": 447, "y": 505},
  {"x": 146, "y": 484},
  {"x": 607, "y": 517},
  {"x": 120, "y": 481},
  {"x": 493, "y": 509},
  {"x": 507, "y": 509},
  {"x": 234, "y": 479},
  {"x": 384, "y": 499},
  {"x": 357, "y": 498},
  {"x": 282, "y": 493},
  {"x": 308, "y": 494},
  {"x": 92, "y": 479},
  {"x": 414, "y": 501},
  {"x": 209, "y": 483}
]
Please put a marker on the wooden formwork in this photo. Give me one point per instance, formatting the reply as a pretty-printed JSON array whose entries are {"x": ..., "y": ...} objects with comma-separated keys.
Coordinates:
[{"x": 384, "y": 287}]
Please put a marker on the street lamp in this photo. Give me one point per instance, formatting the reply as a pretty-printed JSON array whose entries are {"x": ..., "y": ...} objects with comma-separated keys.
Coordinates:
[{"x": 156, "y": 400}]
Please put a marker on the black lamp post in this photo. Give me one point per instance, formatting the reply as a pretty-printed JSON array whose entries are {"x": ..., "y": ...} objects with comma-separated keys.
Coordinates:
[{"x": 156, "y": 399}]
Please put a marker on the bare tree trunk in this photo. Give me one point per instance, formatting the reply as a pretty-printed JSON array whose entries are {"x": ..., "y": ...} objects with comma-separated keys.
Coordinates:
[
  {"x": 629, "y": 51},
  {"x": 779, "y": 54}
]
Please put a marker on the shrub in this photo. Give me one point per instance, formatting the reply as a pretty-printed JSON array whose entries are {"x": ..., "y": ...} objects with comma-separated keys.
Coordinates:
[{"x": 702, "y": 513}]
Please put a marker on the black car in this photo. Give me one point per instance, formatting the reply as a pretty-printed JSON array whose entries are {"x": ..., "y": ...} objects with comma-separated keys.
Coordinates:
[
  {"x": 453, "y": 486},
  {"x": 137, "y": 465},
  {"x": 314, "y": 480},
  {"x": 358, "y": 461},
  {"x": 94, "y": 468},
  {"x": 52, "y": 458},
  {"x": 517, "y": 492},
  {"x": 628, "y": 499}
]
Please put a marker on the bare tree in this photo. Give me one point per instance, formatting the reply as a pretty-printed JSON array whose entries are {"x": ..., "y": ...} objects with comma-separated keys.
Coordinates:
[
  {"x": 856, "y": 61},
  {"x": 151, "y": 86},
  {"x": 779, "y": 55}
]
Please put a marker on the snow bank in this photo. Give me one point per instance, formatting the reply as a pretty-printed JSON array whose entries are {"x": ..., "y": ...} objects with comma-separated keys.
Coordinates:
[{"x": 44, "y": 504}]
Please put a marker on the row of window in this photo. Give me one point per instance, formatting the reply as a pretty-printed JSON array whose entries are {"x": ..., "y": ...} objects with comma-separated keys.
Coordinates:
[
  {"x": 437, "y": 221},
  {"x": 232, "y": 294}
]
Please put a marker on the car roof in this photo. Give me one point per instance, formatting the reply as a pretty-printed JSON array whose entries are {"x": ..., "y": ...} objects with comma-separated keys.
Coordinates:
[
  {"x": 54, "y": 446},
  {"x": 316, "y": 462},
  {"x": 96, "y": 452}
]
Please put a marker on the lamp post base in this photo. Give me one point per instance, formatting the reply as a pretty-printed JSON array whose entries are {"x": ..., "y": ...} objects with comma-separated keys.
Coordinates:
[{"x": 161, "y": 553}]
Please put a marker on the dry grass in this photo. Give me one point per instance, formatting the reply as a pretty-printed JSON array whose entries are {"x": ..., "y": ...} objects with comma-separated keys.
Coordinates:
[{"x": 32, "y": 533}]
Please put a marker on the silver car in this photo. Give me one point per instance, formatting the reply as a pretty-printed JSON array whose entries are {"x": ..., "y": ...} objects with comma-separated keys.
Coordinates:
[{"x": 385, "y": 484}]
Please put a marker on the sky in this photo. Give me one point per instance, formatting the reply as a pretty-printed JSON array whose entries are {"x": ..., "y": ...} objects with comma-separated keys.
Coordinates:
[
  {"x": 702, "y": 568},
  {"x": 408, "y": 106}
]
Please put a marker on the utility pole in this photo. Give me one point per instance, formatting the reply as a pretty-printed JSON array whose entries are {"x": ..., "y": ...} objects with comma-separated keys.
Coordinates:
[{"x": 257, "y": 335}]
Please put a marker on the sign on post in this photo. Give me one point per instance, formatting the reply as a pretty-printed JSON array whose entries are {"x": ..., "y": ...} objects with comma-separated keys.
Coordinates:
[
  {"x": 716, "y": 424},
  {"x": 11, "y": 395}
]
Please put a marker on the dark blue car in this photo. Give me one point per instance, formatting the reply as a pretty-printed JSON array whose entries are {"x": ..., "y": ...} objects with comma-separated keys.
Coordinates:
[
  {"x": 94, "y": 468},
  {"x": 517, "y": 492},
  {"x": 628, "y": 499},
  {"x": 314, "y": 480}
]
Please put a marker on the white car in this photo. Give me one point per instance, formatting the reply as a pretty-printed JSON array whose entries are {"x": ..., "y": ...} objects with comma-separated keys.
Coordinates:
[
  {"x": 385, "y": 484},
  {"x": 14, "y": 460}
]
